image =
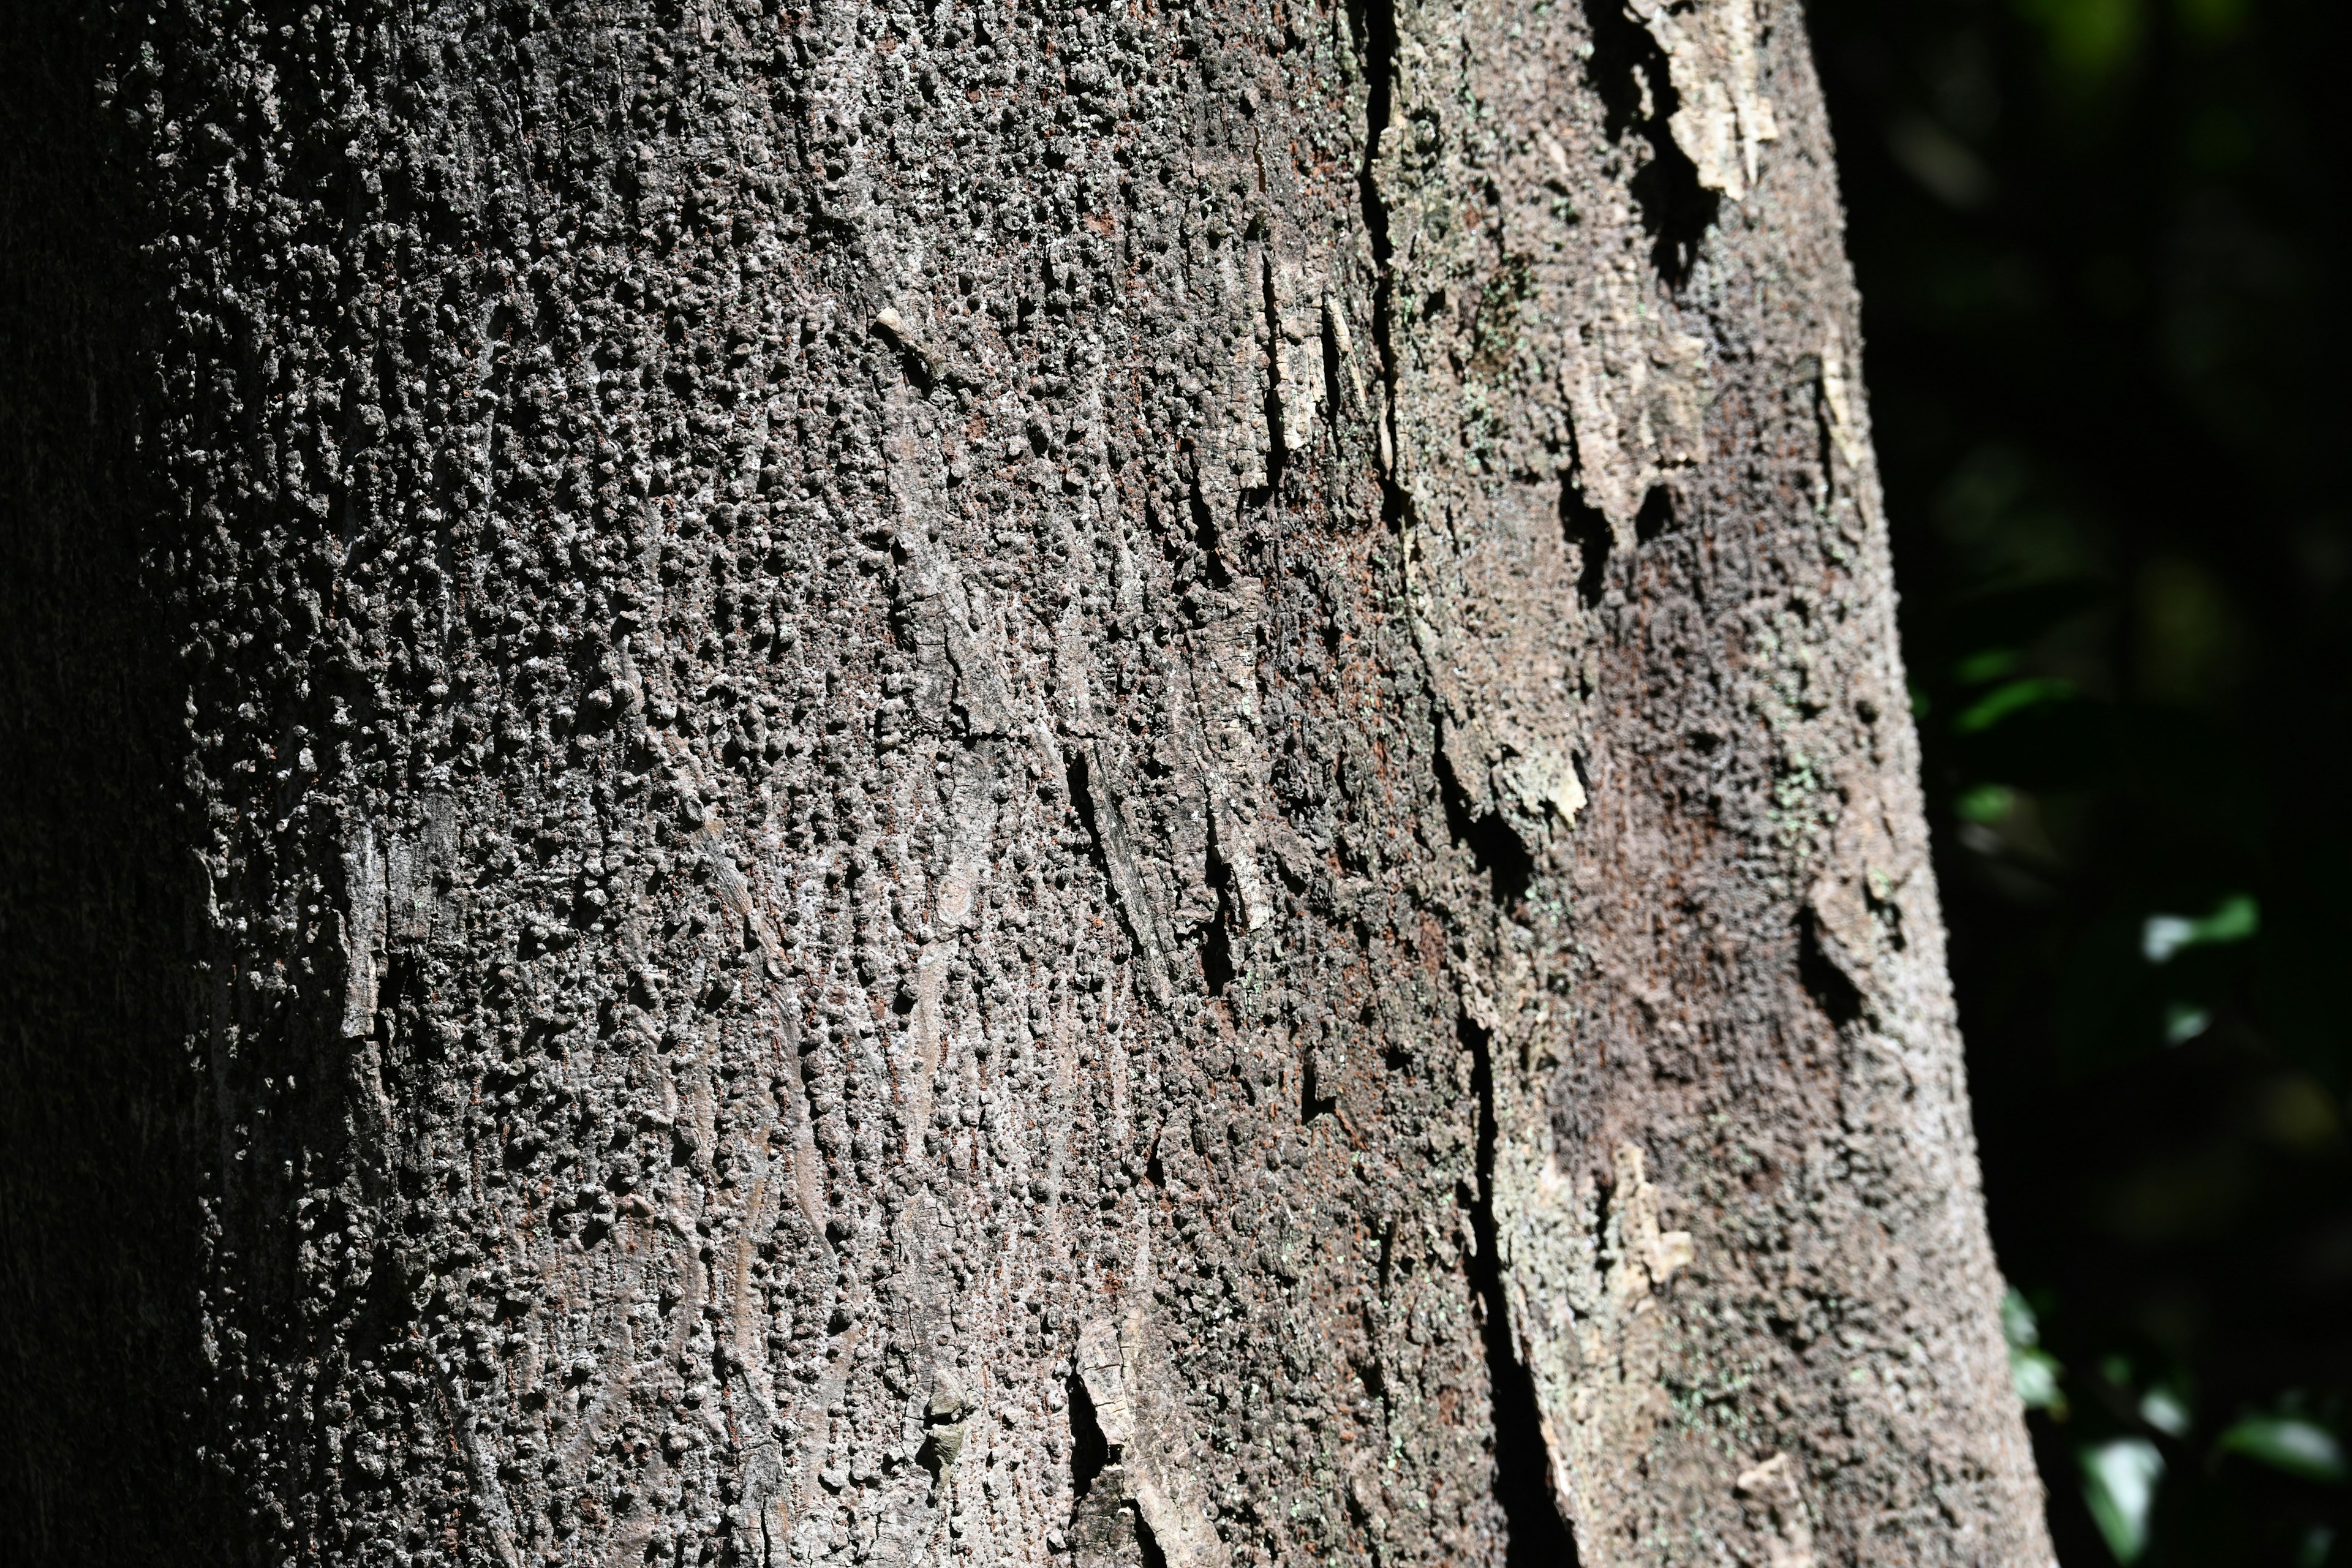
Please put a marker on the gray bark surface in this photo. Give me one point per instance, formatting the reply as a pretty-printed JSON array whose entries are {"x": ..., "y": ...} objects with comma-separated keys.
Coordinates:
[{"x": 1030, "y": 784}]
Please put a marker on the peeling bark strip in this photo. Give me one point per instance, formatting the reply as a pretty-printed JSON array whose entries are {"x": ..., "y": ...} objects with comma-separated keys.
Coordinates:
[
  {"x": 1723, "y": 119},
  {"x": 1050, "y": 782}
]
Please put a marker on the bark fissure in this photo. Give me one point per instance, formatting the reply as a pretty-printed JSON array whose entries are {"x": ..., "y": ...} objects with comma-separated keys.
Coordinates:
[
  {"x": 1375, "y": 27},
  {"x": 1586, "y": 531},
  {"x": 1536, "y": 1534}
]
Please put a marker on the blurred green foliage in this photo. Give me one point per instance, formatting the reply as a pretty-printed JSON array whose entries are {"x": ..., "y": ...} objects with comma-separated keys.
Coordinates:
[{"x": 2105, "y": 301}]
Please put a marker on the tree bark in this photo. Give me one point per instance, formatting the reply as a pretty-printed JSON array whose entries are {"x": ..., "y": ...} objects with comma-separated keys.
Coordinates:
[{"x": 1059, "y": 783}]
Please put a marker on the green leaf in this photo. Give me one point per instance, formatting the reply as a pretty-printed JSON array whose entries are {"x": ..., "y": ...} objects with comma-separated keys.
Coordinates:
[
  {"x": 2235, "y": 918},
  {"x": 2164, "y": 1409},
  {"x": 2015, "y": 696},
  {"x": 1986, "y": 802},
  {"x": 2034, "y": 1374},
  {"x": 2119, "y": 1479},
  {"x": 1990, "y": 664},
  {"x": 2088, "y": 39},
  {"x": 2288, "y": 1442},
  {"x": 2018, "y": 1324}
]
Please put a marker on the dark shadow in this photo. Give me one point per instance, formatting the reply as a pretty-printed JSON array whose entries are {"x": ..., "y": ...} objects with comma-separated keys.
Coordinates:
[
  {"x": 1827, "y": 984},
  {"x": 1312, "y": 1101},
  {"x": 1583, "y": 526},
  {"x": 1373, "y": 23},
  {"x": 1082, "y": 801},
  {"x": 1217, "y": 956},
  {"x": 1536, "y": 1535},
  {"x": 101, "y": 1121},
  {"x": 1656, "y": 516},
  {"x": 1148, "y": 1544},
  {"x": 1217, "y": 965},
  {"x": 1676, "y": 210},
  {"x": 1205, "y": 534},
  {"x": 1494, "y": 848},
  {"x": 1089, "y": 1451}
]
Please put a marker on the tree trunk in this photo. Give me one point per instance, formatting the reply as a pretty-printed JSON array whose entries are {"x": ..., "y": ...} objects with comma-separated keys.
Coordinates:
[{"x": 1048, "y": 784}]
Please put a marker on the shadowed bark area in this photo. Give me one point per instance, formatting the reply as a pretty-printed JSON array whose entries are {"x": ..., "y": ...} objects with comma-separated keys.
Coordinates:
[
  {"x": 1045, "y": 783},
  {"x": 99, "y": 1183}
]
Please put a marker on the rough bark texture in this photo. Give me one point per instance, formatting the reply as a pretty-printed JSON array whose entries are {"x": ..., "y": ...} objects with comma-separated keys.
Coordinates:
[{"x": 1040, "y": 784}]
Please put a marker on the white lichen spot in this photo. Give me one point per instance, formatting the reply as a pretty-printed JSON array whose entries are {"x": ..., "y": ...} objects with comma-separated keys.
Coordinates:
[
  {"x": 1771, "y": 1488},
  {"x": 1638, "y": 391},
  {"x": 1837, "y": 403}
]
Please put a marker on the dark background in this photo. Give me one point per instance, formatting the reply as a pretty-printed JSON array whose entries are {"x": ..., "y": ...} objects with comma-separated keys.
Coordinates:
[{"x": 2104, "y": 299}]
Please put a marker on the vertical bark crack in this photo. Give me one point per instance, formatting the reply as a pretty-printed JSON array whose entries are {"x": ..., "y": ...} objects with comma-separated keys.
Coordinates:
[
  {"x": 1277, "y": 456},
  {"x": 1098, "y": 812},
  {"x": 1534, "y": 1531},
  {"x": 1535, "y": 1534},
  {"x": 1375, "y": 27}
]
